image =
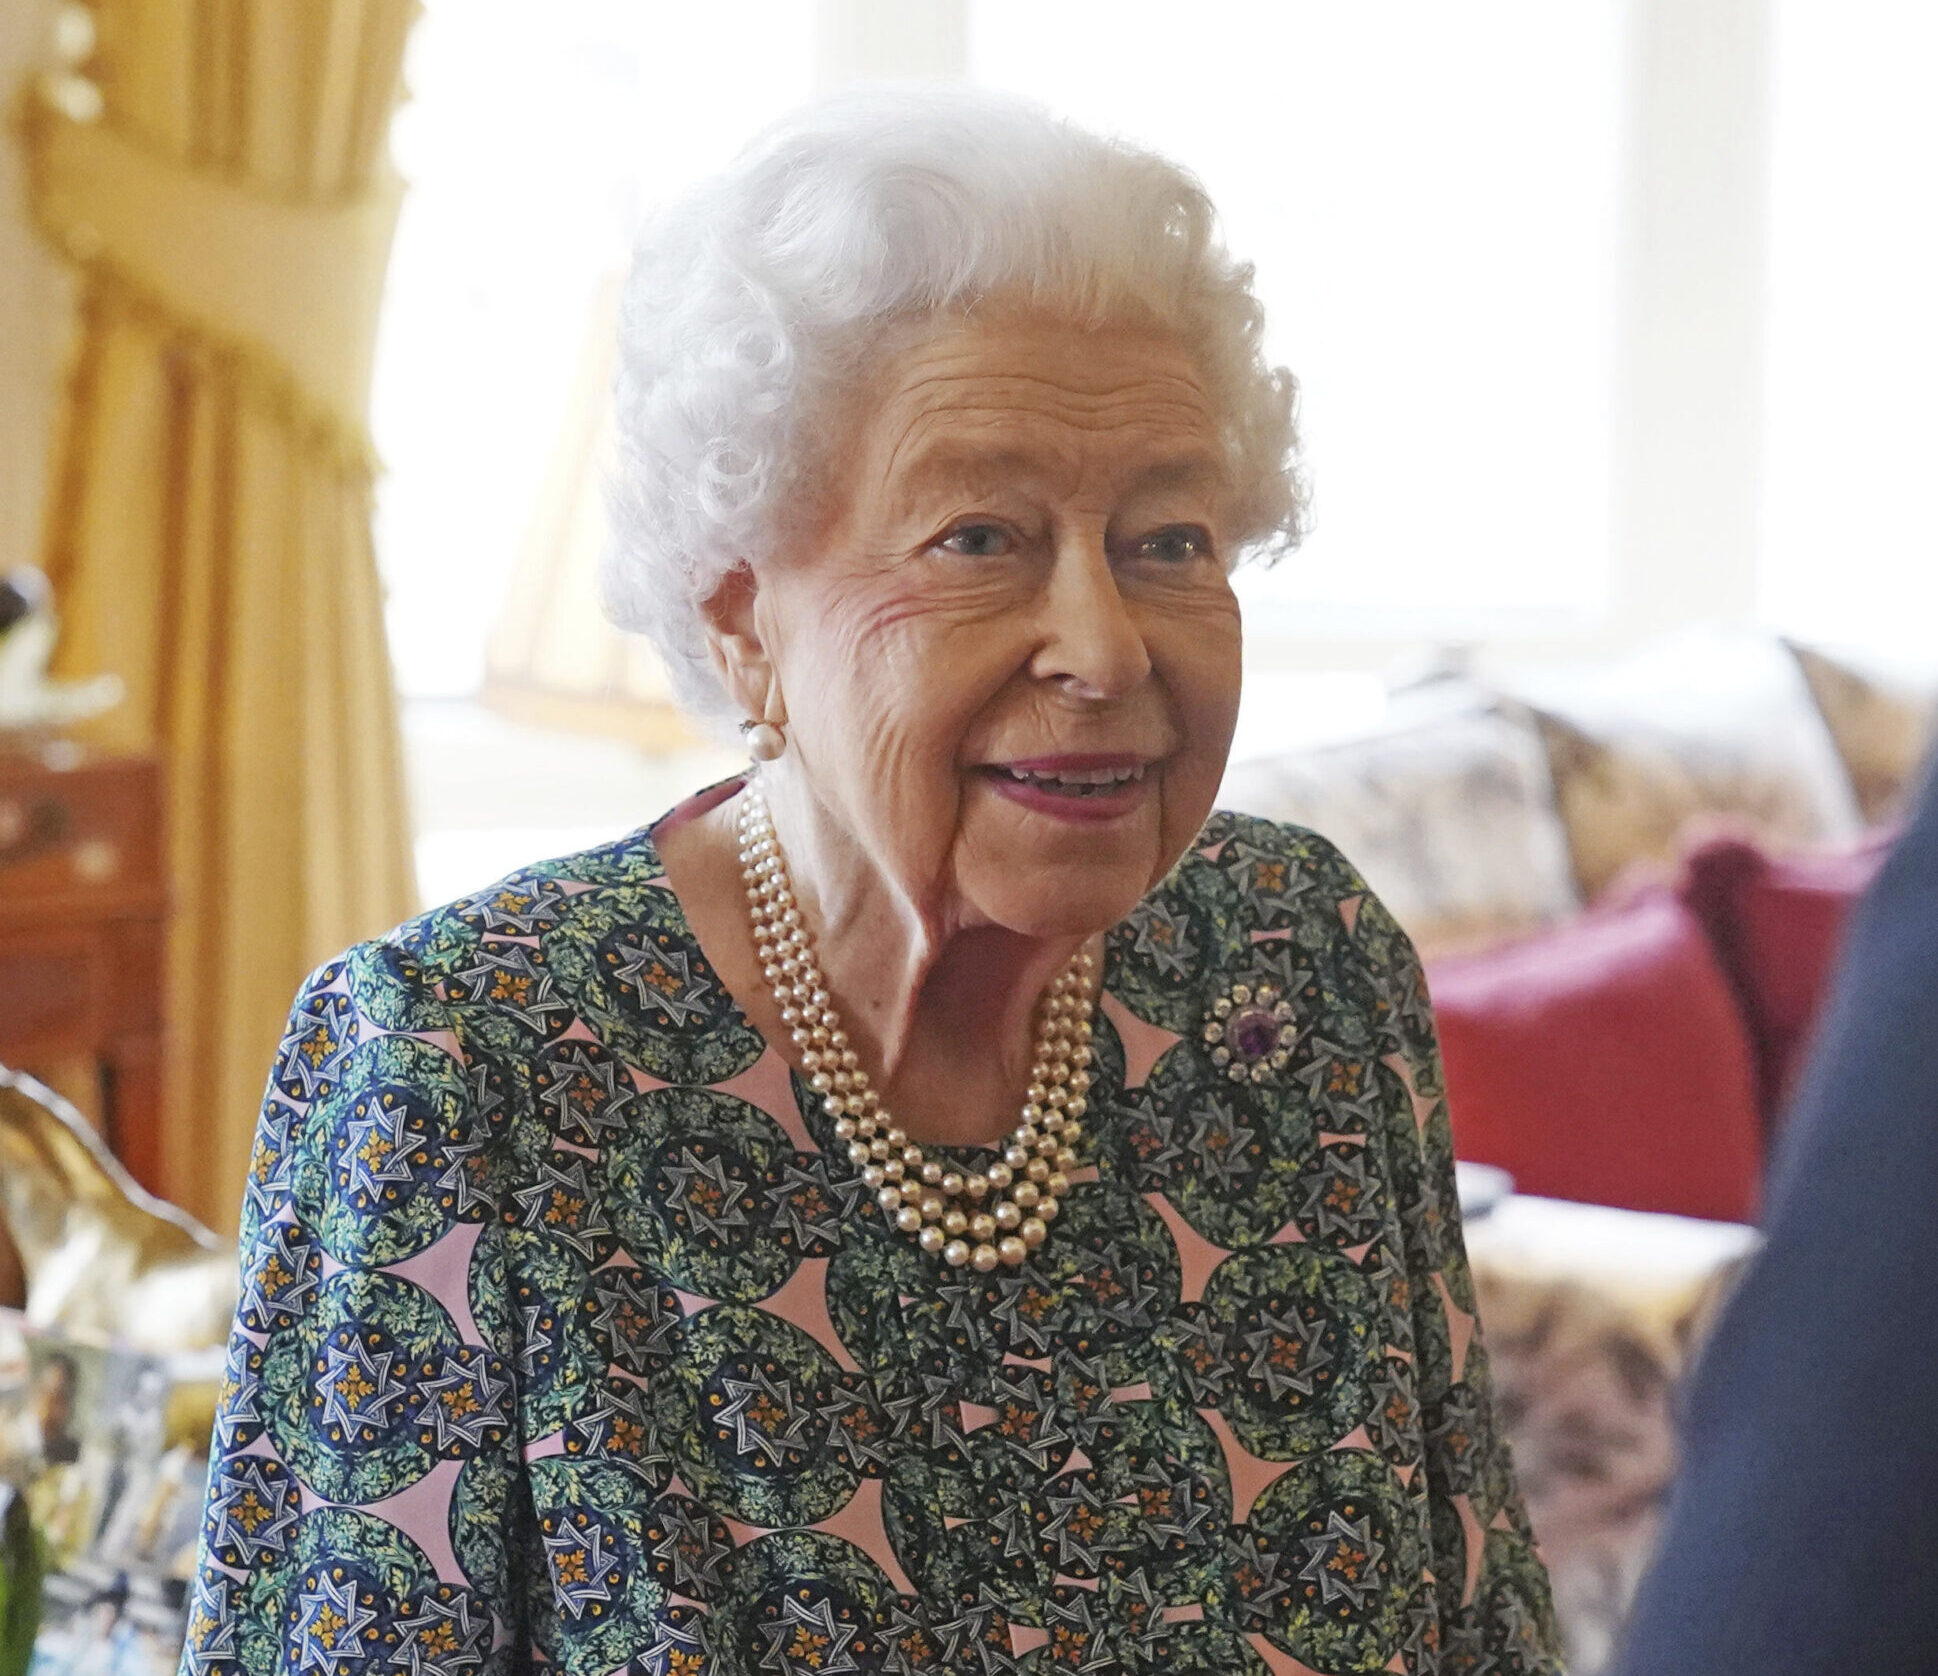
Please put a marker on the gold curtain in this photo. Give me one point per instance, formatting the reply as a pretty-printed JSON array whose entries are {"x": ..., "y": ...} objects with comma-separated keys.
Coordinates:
[{"x": 229, "y": 202}]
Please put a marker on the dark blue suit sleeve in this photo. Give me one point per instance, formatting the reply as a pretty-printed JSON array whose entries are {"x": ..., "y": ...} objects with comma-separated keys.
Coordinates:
[{"x": 1803, "y": 1532}]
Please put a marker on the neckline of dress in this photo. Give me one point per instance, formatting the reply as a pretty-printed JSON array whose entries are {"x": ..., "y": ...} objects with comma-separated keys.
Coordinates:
[{"x": 804, "y": 1098}]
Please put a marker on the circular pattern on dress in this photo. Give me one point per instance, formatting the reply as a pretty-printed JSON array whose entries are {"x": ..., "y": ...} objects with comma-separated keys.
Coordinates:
[
  {"x": 338, "y": 1619},
  {"x": 1464, "y": 1453},
  {"x": 341, "y": 1395},
  {"x": 484, "y": 1508},
  {"x": 377, "y": 1191},
  {"x": 744, "y": 1410},
  {"x": 687, "y": 1546},
  {"x": 238, "y": 1401},
  {"x": 1164, "y": 1488},
  {"x": 1100, "y": 1287},
  {"x": 613, "y": 1421},
  {"x": 691, "y": 1175},
  {"x": 636, "y": 1318},
  {"x": 604, "y": 1599},
  {"x": 555, "y": 1306},
  {"x": 1424, "y": 1642},
  {"x": 646, "y": 983},
  {"x": 322, "y": 1031},
  {"x": 463, "y": 1402},
  {"x": 583, "y": 1092},
  {"x": 1156, "y": 957},
  {"x": 526, "y": 904},
  {"x": 1393, "y": 1418},
  {"x": 1341, "y": 1200},
  {"x": 801, "y": 1603},
  {"x": 809, "y": 1200},
  {"x": 352, "y": 1572},
  {"x": 1293, "y": 1323},
  {"x": 250, "y": 1516},
  {"x": 1279, "y": 876},
  {"x": 443, "y": 1629},
  {"x": 282, "y": 1266},
  {"x": 1332, "y": 1561},
  {"x": 564, "y": 1198},
  {"x": 1225, "y": 1154},
  {"x": 1023, "y": 1436},
  {"x": 513, "y": 999},
  {"x": 1504, "y": 1623},
  {"x": 387, "y": 984},
  {"x": 1152, "y": 1510},
  {"x": 1410, "y": 1310},
  {"x": 497, "y": 1147}
]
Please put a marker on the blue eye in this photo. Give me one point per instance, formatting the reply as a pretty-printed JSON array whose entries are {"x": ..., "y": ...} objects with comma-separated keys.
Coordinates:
[
  {"x": 1177, "y": 545},
  {"x": 977, "y": 541}
]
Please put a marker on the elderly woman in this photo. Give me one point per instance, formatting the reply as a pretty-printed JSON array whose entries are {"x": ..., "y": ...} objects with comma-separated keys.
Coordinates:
[{"x": 945, "y": 1200}]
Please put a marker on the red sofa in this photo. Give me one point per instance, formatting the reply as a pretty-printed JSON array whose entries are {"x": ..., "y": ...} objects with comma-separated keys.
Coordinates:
[{"x": 1639, "y": 1055}]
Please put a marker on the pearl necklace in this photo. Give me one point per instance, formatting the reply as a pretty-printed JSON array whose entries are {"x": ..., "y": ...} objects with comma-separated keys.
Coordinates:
[{"x": 975, "y": 1217}]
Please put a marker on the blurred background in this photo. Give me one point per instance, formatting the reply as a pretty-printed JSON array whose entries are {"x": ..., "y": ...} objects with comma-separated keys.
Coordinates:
[{"x": 1610, "y": 657}]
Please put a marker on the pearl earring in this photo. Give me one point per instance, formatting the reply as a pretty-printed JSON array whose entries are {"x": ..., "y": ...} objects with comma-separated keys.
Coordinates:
[{"x": 765, "y": 740}]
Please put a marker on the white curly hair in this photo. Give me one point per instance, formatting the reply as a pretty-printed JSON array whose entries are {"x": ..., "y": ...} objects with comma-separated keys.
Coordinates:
[{"x": 763, "y": 295}]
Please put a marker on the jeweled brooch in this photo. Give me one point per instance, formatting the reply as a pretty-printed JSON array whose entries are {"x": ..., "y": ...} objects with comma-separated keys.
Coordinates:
[{"x": 1251, "y": 1032}]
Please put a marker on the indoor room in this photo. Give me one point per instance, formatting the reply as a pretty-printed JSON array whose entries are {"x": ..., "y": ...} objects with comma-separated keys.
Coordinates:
[{"x": 451, "y": 677}]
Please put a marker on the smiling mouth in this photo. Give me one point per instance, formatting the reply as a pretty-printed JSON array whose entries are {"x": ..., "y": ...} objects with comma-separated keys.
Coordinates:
[{"x": 1077, "y": 783}]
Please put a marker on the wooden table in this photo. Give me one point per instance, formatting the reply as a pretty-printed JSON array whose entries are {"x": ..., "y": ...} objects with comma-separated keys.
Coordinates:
[{"x": 83, "y": 905}]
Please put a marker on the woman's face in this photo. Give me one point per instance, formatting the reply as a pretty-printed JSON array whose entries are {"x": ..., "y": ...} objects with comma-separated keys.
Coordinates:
[{"x": 1009, "y": 659}]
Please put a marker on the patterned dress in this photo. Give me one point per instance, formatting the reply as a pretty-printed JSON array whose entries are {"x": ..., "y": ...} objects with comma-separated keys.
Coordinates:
[{"x": 566, "y": 1335}]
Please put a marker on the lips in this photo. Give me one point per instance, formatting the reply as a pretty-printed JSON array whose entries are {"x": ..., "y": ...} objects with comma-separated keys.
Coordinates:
[{"x": 1085, "y": 788}]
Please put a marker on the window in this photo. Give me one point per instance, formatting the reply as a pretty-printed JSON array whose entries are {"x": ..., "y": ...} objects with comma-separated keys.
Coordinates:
[
  {"x": 1849, "y": 553},
  {"x": 533, "y": 136},
  {"x": 1429, "y": 193}
]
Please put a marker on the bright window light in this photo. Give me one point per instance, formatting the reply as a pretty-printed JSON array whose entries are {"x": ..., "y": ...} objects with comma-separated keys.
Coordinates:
[
  {"x": 533, "y": 135},
  {"x": 1849, "y": 554},
  {"x": 1429, "y": 193}
]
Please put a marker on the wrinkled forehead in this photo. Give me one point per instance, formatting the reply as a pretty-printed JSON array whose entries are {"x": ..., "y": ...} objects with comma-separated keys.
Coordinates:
[{"x": 974, "y": 407}]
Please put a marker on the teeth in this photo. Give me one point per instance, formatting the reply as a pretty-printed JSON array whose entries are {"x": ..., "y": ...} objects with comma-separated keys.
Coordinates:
[{"x": 1078, "y": 778}]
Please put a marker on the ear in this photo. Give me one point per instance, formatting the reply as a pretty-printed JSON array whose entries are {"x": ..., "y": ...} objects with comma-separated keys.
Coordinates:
[{"x": 739, "y": 653}]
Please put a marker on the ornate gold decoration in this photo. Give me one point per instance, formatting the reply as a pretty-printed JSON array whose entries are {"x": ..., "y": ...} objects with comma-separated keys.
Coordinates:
[{"x": 103, "y": 1256}]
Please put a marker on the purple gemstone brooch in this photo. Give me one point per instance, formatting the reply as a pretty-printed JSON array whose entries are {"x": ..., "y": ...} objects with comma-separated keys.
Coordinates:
[{"x": 1250, "y": 1032}]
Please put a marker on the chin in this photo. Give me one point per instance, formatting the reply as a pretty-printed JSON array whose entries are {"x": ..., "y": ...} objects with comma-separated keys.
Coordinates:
[
  {"x": 1048, "y": 878},
  {"x": 1050, "y": 903}
]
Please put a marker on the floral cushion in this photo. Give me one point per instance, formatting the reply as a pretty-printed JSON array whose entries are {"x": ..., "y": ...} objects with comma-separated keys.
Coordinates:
[
  {"x": 1882, "y": 726},
  {"x": 1593, "y": 1319},
  {"x": 1448, "y": 813},
  {"x": 1707, "y": 727}
]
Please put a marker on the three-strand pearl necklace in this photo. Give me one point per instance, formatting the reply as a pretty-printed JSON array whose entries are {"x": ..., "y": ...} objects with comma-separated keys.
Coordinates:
[{"x": 980, "y": 1218}]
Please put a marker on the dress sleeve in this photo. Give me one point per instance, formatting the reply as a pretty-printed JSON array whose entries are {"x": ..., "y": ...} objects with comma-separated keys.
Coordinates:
[
  {"x": 365, "y": 1485},
  {"x": 1496, "y": 1606}
]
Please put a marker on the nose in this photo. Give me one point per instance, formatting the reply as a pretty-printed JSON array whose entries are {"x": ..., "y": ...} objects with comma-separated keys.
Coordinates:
[{"x": 1092, "y": 645}]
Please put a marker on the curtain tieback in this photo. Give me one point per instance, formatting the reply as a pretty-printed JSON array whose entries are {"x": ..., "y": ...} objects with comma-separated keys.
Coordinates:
[{"x": 292, "y": 286}]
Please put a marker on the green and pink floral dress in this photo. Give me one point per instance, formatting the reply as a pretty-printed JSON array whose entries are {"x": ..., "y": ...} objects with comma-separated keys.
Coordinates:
[{"x": 568, "y": 1337}]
